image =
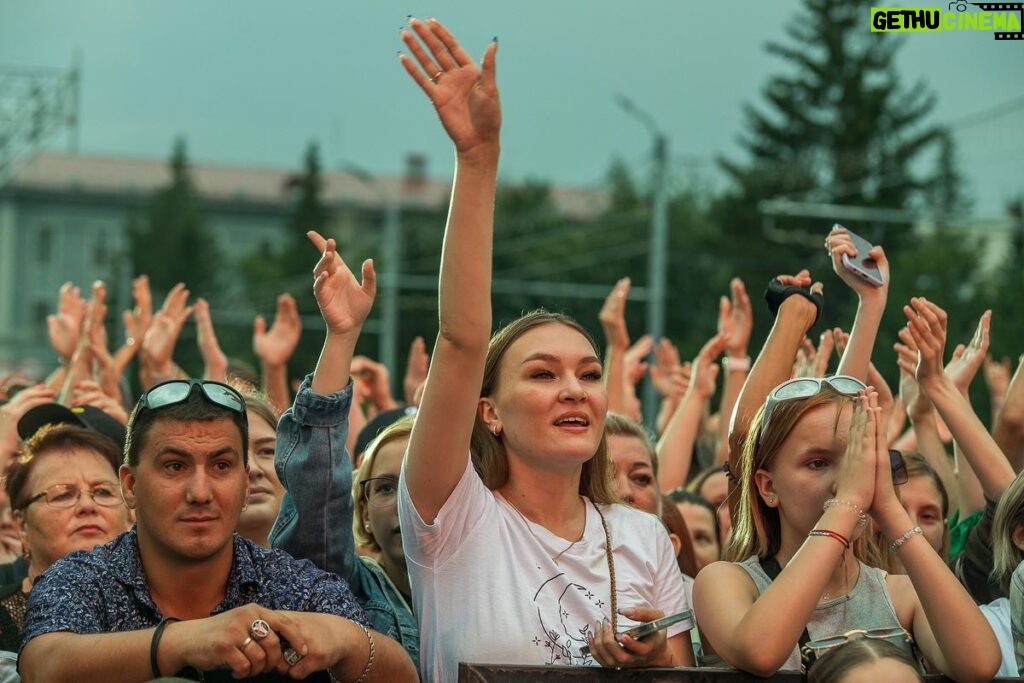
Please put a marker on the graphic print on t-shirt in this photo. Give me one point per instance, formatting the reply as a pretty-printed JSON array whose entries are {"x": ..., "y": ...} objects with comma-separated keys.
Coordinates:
[{"x": 564, "y": 629}]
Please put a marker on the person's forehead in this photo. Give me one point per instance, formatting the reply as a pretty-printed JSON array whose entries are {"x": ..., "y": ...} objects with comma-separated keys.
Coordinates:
[
  {"x": 628, "y": 451},
  {"x": 199, "y": 433},
  {"x": 388, "y": 458},
  {"x": 550, "y": 339}
]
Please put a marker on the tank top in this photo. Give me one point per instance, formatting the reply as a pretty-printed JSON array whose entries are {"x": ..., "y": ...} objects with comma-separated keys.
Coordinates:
[{"x": 867, "y": 606}]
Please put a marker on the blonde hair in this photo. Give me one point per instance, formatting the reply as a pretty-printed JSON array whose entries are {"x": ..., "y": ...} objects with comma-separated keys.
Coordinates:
[
  {"x": 400, "y": 429},
  {"x": 1009, "y": 515},
  {"x": 488, "y": 451}
]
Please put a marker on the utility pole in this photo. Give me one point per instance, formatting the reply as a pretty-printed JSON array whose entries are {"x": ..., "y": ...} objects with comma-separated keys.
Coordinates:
[
  {"x": 391, "y": 283},
  {"x": 657, "y": 254}
]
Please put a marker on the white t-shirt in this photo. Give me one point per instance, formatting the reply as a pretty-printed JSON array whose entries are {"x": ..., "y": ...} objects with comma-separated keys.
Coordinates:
[{"x": 486, "y": 589}]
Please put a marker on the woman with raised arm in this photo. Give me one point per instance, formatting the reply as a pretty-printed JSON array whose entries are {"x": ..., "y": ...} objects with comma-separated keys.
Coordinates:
[
  {"x": 527, "y": 562},
  {"x": 813, "y": 470}
]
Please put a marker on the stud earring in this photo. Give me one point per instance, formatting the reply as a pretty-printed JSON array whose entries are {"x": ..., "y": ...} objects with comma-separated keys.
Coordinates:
[
  {"x": 771, "y": 499},
  {"x": 366, "y": 526}
]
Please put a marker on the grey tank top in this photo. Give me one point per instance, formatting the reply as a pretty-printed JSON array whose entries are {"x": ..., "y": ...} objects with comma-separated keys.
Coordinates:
[{"x": 867, "y": 606}]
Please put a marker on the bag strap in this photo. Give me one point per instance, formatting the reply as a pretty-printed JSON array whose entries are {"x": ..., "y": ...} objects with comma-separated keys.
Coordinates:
[{"x": 770, "y": 566}]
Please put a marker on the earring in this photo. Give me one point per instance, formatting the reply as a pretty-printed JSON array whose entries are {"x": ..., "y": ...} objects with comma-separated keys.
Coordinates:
[
  {"x": 771, "y": 500},
  {"x": 366, "y": 525},
  {"x": 495, "y": 430}
]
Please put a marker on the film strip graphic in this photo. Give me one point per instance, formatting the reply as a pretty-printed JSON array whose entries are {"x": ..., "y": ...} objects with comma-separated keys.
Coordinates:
[{"x": 1001, "y": 7}]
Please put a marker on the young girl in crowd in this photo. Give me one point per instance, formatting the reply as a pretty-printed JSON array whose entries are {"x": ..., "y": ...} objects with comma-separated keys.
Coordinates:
[
  {"x": 815, "y": 465},
  {"x": 864, "y": 660},
  {"x": 701, "y": 523},
  {"x": 265, "y": 489},
  {"x": 1008, "y": 559},
  {"x": 530, "y": 560}
]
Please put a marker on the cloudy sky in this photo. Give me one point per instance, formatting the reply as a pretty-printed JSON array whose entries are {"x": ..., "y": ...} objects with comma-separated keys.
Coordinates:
[{"x": 250, "y": 81}]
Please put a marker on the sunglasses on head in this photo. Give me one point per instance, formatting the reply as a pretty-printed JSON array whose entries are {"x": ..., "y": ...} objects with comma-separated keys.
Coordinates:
[
  {"x": 819, "y": 646},
  {"x": 178, "y": 390},
  {"x": 805, "y": 387}
]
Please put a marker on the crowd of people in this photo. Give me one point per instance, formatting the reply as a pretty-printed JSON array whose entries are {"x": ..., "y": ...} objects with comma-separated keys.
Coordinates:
[{"x": 511, "y": 509}]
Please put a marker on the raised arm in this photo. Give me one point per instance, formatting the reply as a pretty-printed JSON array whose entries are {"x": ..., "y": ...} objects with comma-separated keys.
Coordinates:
[
  {"x": 465, "y": 97},
  {"x": 870, "y": 306},
  {"x": 736, "y": 322},
  {"x": 275, "y": 346},
  {"x": 927, "y": 325},
  {"x": 797, "y": 302},
  {"x": 616, "y": 341},
  {"x": 1008, "y": 430},
  {"x": 315, "y": 521}
]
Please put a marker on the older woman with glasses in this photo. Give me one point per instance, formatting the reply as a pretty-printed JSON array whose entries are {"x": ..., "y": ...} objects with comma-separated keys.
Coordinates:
[
  {"x": 815, "y": 466},
  {"x": 65, "y": 495}
]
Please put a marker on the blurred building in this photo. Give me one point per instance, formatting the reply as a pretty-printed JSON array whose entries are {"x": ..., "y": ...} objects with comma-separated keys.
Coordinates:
[{"x": 63, "y": 217}]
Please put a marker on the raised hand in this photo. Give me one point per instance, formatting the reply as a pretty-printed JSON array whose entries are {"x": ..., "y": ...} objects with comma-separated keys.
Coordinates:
[
  {"x": 668, "y": 375},
  {"x": 214, "y": 359},
  {"x": 276, "y": 345},
  {"x": 736, "y": 319},
  {"x": 997, "y": 377},
  {"x": 926, "y": 323},
  {"x": 839, "y": 243},
  {"x": 705, "y": 367},
  {"x": 634, "y": 360},
  {"x": 855, "y": 480},
  {"x": 914, "y": 400},
  {"x": 375, "y": 380},
  {"x": 344, "y": 302},
  {"x": 613, "y": 316},
  {"x": 89, "y": 392},
  {"x": 967, "y": 360},
  {"x": 136, "y": 323},
  {"x": 464, "y": 95},
  {"x": 158, "y": 344},
  {"x": 65, "y": 326},
  {"x": 416, "y": 367}
]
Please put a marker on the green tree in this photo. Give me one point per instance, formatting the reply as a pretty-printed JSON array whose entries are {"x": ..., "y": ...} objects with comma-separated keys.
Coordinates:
[{"x": 169, "y": 241}]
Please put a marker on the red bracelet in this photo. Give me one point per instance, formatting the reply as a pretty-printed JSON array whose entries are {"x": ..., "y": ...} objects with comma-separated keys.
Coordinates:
[{"x": 831, "y": 534}]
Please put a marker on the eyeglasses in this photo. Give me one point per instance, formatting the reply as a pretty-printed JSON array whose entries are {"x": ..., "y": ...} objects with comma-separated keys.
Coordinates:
[
  {"x": 178, "y": 390},
  {"x": 380, "y": 492},
  {"x": 805, "y": 387},
  {"x": 106, "y": 494},
  {"x": 814, "y": 648}
]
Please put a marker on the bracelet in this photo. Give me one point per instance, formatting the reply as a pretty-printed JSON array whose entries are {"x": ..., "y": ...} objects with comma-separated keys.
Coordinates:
[
  {"x": 831, "y": 534},
  {"x": 736, "y": 364},
  {"x": 158, "y": 633},
  {"x": 898, "y": 543},
  {"x": 862, "y": 519},
  {"x": 369, "y": 662}
]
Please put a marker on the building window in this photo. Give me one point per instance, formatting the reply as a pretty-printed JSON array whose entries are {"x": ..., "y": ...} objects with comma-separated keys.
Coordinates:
[{"x": 44, "y": 244}]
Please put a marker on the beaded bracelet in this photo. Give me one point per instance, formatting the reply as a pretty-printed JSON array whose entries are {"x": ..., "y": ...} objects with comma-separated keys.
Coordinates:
[
  {"x": 831, "y": 534},
  {"x": 898, "y": 543},
  {"x": 369, "y": 661},
  {"x": 862, "y": 519}
]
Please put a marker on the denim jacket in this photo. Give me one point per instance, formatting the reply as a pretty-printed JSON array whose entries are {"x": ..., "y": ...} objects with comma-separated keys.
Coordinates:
[{"x": 315, "y": 521}]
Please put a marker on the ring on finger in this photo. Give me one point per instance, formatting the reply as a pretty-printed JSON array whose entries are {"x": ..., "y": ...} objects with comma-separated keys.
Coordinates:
[
  {"x": 436, "y": 77},
  {"x": 245, "y": 643},
  {"x": 259, "y": 629},
  {"x": 291, "y": 656}
]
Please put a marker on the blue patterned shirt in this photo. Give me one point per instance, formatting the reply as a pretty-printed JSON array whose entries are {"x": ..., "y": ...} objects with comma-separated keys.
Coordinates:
[{"x": 105, "y": 590}]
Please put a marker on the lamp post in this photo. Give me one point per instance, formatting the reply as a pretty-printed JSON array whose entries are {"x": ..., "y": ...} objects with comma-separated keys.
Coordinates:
[{"x": 657, "y": 254}]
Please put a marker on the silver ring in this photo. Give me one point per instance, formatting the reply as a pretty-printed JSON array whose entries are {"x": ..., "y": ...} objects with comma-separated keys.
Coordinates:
[
  {"x": 259, "y": 629},
  {"x": 291, "y": 656},
  {"x": 245, "y": 643},
  {"x": 436, "y": 77}
]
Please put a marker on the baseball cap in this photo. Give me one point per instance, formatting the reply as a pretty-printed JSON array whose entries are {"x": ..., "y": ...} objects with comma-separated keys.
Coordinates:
[{"x": 86, "y": 416}]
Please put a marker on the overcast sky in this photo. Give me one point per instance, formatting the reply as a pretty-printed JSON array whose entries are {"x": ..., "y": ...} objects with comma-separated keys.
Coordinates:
[{"x": 250, "y": 82}]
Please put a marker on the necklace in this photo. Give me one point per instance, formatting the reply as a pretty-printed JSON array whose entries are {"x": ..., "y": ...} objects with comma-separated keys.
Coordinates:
[{"x": 607, "y": 554}]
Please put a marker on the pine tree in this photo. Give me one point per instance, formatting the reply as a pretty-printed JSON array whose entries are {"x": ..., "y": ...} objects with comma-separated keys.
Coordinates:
[{"x": 171, "y": 243}]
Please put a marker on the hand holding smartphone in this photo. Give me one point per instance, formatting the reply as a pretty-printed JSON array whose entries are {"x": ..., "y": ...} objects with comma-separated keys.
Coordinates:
[
  {"x": 861, "y": 265},
  {"x": 644, "y": 630}
]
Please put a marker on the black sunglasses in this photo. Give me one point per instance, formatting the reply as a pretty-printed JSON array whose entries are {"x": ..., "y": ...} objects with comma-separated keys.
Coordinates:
[{"x": 178, "y": 390}]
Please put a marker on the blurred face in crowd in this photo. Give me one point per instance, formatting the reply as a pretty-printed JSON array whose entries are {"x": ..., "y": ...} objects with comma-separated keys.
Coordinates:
[
  {"x": 73, "y": 502},
  {"x": 715, "y": 490},
  {"x": 265, "y": 489},
  {"x": 923, "y": 503},
  {"x": 634, "y": 472},
  {"x": 380, "y": 511},
  {"x": 701, "y": 525}
]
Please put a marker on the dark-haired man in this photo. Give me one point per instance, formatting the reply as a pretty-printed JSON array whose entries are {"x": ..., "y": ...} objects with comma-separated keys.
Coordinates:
[{"x": 182, "y": 592}]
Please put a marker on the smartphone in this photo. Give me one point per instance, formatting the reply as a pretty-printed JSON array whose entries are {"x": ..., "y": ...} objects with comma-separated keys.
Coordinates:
[
  {"x": 862, "y": 265},
  {"x": 898, "y": 467},
  {"x": 644, "y": 630}
]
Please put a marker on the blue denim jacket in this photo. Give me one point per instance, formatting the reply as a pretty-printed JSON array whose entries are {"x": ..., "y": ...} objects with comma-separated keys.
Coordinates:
[{"x": 315, "y": 521}]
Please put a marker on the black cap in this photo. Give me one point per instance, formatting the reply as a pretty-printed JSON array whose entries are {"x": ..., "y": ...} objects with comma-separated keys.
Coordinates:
[
  {"x": 375, "y": 426},
  {"x": 87, "y": 416}
]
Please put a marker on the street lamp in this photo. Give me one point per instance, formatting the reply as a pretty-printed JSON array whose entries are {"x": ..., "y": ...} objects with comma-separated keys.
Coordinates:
[{"x": 657, "y": 255}]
